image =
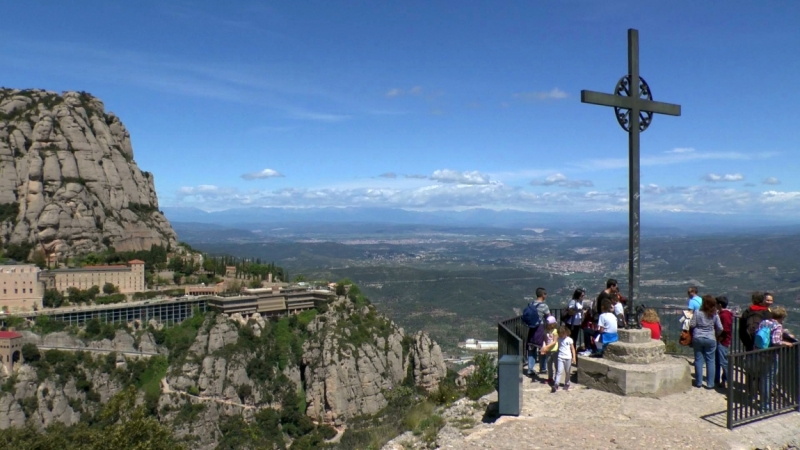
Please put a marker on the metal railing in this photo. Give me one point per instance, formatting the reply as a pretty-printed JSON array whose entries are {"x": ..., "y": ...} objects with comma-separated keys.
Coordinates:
[
  {"x": 763, "y": 383},
  {"x": 512, "y": 329}
]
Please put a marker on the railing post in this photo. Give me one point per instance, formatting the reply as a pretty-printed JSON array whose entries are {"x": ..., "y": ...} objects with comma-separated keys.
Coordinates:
[
  {"x": 796, "y": 365},
  {"x": 731, "y": 381}
]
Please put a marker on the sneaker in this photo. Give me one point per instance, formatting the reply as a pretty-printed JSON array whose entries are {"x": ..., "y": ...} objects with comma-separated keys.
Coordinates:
[
  {"x": 566, "y": 387},
  {"x": 551, "y": 382},
  {"x": 554, "y": 388},
  {"x": 586, "y": 353}
]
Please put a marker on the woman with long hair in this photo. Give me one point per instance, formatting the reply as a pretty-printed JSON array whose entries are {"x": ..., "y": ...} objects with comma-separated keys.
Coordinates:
[
  {"x": 652, "y": 322},
  {"x": 705, "y": 326},
  {"x": 576, "y": 308}
]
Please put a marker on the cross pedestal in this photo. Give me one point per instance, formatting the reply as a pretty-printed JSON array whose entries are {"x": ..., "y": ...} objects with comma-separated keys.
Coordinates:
[{"x": 636, "y": 366}]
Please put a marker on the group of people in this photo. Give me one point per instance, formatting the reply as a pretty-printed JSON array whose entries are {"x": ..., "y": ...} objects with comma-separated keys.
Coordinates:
[
  {"x": 708, "y": 322},
  {"x": 554, "y": 344}
]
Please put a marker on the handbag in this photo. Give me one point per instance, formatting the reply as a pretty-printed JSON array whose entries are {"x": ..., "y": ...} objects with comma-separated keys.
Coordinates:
[{"x": 686, "y": 338}]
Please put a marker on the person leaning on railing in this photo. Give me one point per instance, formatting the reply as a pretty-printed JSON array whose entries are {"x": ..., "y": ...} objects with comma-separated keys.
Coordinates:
[{"x": 751, "y": 318}]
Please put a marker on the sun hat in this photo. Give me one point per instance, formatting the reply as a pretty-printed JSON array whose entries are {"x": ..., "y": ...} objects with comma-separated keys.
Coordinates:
[{"x": 551, "y": 319}]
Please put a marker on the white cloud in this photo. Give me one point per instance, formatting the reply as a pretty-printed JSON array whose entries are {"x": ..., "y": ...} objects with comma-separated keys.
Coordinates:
[
  {"x": 710, "y": 198},
  {"x": 561, "y": 180},
  {"x": 454, "y": 176},
  {"x": 771, "y": 181},
  {"x": 553, "y": 94},
  {"x": 729, "y": 177},
  {"x": 673, "y": 158},
  {"x": 266, "y": 173},
  {"x": 680, "y": 150},
  {"x": 397, "y": 92}
]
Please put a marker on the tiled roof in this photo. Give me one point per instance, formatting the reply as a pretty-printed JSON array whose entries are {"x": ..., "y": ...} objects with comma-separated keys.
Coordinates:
[
  {"x": 136, "y": 261},
  {"x": 9, "y": 335}
]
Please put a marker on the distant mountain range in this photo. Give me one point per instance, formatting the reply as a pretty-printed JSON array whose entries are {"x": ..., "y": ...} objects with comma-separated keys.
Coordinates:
[{"x": 255, "y": 218}]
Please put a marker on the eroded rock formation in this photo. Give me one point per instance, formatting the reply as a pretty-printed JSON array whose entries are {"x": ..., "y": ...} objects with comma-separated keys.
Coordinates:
[{"x": 68, "y": 180}]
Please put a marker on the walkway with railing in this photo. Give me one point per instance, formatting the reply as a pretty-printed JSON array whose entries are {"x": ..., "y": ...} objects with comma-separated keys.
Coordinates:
[{"x": 761, "y": 383}]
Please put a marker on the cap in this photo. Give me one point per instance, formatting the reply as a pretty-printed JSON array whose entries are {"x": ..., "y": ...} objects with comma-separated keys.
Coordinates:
[{"x": 551, "y": 319}]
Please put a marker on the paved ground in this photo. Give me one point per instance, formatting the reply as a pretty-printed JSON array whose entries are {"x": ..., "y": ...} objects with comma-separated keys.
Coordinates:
[{"x": 590, "y": 419}]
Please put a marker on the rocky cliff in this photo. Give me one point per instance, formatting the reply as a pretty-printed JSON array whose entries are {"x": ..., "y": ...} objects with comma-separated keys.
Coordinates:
[
  {"x": 225, "y": 372},
  {"x": 68, "y": 179}
]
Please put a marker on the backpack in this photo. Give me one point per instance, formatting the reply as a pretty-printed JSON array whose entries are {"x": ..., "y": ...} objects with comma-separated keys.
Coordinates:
[
  {"x": 763, "y": 336},
  {"x": 749, "y": 324},
  {"x": 530, "y": 316}
]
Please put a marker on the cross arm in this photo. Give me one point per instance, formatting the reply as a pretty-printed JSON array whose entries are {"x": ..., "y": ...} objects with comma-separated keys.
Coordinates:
[{"x": 619, "y": 101}]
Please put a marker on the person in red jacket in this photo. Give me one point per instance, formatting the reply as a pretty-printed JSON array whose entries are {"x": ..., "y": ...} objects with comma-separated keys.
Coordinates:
[
  {"x": 751, "y": 318},
  {"x": 652, "y": 322},
  {"x": 723, "y": 341}
]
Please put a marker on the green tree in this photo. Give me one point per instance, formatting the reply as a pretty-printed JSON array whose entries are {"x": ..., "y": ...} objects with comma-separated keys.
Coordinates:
[
  {"x": 176, "y": 277},
  {"x": 76, "y": 295},
  {"x": 30, "y": 353},
  {"x": 39, "y": 259},
  {"x": 299, "y": 278},
  {"x": 109, "y": 289},
  {"x": 255, "y": 283},
  {"x": 52, "y": 298},
  {"x": 340, "y": 289}
]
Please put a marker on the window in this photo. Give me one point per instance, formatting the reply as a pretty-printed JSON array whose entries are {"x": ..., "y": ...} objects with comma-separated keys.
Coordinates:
[
  {"x": 15, "y": 291},
  {"x": 23, "y": 290}
]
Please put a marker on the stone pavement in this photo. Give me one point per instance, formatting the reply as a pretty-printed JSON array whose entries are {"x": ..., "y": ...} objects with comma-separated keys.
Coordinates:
[{"x": 583, "y": 418}]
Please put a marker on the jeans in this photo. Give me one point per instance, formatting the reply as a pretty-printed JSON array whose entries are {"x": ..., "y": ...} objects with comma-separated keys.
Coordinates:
[
  {"x": 721, "y": 365},
  {"x": 767, "y": 382},
  {"x": 705, "y": 350},
  {"x": 552, "y": 363}
]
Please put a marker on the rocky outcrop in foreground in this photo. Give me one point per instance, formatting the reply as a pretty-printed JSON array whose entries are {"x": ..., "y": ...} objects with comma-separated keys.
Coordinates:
[
  {"x": 68, "y": 180},
  {"x": 355, "y": 356}
]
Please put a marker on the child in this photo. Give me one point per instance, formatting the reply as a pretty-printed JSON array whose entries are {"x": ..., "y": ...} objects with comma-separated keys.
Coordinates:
[
  {"x": 771, "y": 365},
  {"x": 550, "y": 348},
  {"x": 652, "y": 322},
  {"x": 607, "y": 326},
  {"x": 566, "y": 357}
]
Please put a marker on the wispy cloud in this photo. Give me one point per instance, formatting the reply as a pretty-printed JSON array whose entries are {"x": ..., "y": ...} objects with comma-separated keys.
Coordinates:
[
  {"x": 552, "y": 94},
  {"x": 728, "y": 177},
  {"x": 454, "y": 176},
  {"x": 397, "y": 92},
  {"x": 266, "y": 173},
  {"x": 416, "y": 176},
  {"x": 252, "y": 84},
  {"x": 388, "y": 175},
  {"x": 680, "y": 150},
  {"x": 671, "y": 157},
  {"x": 771, "y": 181},
  {"x": 561, "y": 180}
]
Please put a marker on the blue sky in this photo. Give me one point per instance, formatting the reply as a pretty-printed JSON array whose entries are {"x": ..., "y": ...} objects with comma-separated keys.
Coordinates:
[{"x": 431, "y": 105}]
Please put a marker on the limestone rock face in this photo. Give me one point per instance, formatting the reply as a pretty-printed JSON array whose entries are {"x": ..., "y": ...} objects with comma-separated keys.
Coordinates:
[
  {"x": 68, "y": 166},
  {"x": 429, "y": 367},
  {"x": 348, "y": 376}
]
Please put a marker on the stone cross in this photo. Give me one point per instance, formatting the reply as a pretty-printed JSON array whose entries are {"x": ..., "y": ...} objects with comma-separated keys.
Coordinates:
[{"x": 634, "y": 107}]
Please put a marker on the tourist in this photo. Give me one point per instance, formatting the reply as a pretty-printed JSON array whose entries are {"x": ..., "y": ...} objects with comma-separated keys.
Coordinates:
[
  {"x": 768, "y": 299},
  {"x": 607, "y": 327},
  {"x": 619, "y": 309},
  {"x": 694, "y": 300},
  {"x": 769, "y": 363},
  {"x": 534, "y": 317},
  {"x": 723, "y": 341},
  {"x": 566, "y": 357},
  {"x": 549, "y": 350},
  {"x": 611, "y": 288},
  {"x": 751, "y": 318},
  {"x": 705, "y": 326},
  {"x": 589, "y": 333},
  {"x": 575, "y": 311},
  {"x": 652, "y": 322}
]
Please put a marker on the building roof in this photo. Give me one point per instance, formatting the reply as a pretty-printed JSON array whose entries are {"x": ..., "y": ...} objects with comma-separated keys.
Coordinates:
[
  {"x": 9, "y": 335},
  {"x": 136, "y": 261},
  {"x": 92, "y": 269}
]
